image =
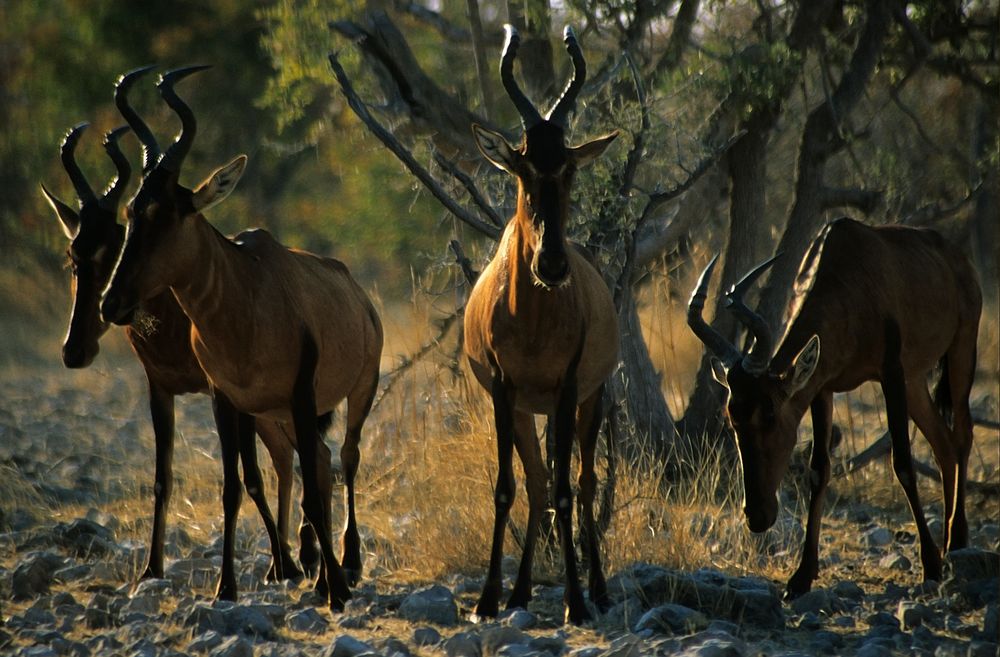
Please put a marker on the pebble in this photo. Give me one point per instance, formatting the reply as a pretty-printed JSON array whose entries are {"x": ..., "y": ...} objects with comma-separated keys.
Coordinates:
[
  {"x": 912, "y": 614},
  {"x": 433, "y": 604},
  {"x": 33, "y": 575},
  {"x": 895, "y": 561},
  {"x": 877, "y": 537},
  {"x": 347, "y": 646},
  {"x": 233, "y": 647},
  {"x": 307, "y": 620},
  {"x": 426, "y": 636}
]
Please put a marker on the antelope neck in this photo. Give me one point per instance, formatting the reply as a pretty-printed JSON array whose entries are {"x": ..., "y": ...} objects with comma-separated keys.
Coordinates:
[{"x": 216, "y": 291}]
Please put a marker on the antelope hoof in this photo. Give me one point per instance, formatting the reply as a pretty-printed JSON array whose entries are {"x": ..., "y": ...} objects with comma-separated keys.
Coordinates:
[
  {"x": 226, "y": 592},
  {"x": 601, "y": 600},
  {"x": 339, "y": 598},
  {"x": 285, "y": 570},
  {"x": 352, "y": 575},
  {"x": 933, "y": 568},
  {"x": 487, "y": 607},
  {"x": 577, "y": 613},
  {"x": 518, "y": 600},
  {"x": 151, "y": 573},
  {"x": 797, "y": 587}
]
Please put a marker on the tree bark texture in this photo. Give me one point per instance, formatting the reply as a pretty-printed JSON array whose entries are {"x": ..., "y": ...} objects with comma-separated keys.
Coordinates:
[
  {"x": 821, "y": 138},
  {"x": 749, "y": 237}
]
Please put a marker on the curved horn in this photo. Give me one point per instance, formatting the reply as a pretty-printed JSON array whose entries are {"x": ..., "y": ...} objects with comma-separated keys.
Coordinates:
[
  {"x": 150, "y": 149},
  {"x": 175, "y": 154},
  {"x": 117, "y": 186},
  {"x": 715, "y": 341},
  {"x": 759, "y": 357},
  {"x": 560, "y": 111},
  {"x": 67, "y": 151},
  {"x": 529, "y": 115}
]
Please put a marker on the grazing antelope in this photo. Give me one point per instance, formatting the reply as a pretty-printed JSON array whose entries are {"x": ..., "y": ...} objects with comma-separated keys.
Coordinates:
[
  {"x": 281, "y": 334},
  {"x": 541, "y": 333},
  {"x": 887, "y": 304},
  {"x": 164, "y": 351}
]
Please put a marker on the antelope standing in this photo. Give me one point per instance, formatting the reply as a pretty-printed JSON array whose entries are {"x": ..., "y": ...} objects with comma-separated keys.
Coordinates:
[
  {"x": 164, "y": 352},
  {"x": 280, "y": 333},
  {"x": 886, "y": 304},
  {"x": 541, "y": 333}
]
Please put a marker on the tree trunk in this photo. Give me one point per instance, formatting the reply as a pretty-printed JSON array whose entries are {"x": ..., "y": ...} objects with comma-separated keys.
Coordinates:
[
  {"x": 482, "y": 67},
  {"x": 748, "y": 230},
  {"x": 821, "y": 138},
  {"x": 535, "y": 53},
  {"x": 637, "y": 394},
  {"x": 748, "y": 240},
  {"x": 985, "y": 236}
]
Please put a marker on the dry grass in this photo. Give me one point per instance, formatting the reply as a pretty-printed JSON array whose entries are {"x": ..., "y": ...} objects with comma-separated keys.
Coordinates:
[{"x": 429, "y": 463}]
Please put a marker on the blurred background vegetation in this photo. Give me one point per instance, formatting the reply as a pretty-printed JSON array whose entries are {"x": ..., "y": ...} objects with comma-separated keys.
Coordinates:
[{"x": 916, "y": 143}]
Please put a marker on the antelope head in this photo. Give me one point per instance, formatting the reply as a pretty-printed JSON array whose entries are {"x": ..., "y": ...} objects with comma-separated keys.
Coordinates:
[
  {"x": 159, "y": 244},
  {"x": 95, "y": 241},
  {"x": 759, "y": 408},
  {"x": 543, "y": 165}
]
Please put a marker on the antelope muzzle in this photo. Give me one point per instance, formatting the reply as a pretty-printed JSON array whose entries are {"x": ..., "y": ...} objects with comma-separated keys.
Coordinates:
[{"x": 551, "y": 267}]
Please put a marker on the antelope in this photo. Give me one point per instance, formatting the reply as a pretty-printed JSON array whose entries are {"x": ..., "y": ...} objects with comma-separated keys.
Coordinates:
[
  {"x": 164, "y": 352},
  {"x": 887, "y": 304},
  {"x": 281, "y": 334},
  {"x": 541, "y": 334}
]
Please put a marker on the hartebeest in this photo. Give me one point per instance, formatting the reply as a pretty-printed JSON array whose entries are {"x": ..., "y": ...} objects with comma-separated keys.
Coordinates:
[
  {"x": 885, "y": 304},
  {"x": 280, "y": 333},
  {"x": 163, "y": 347},
  {"x": 541, "y": 333}
]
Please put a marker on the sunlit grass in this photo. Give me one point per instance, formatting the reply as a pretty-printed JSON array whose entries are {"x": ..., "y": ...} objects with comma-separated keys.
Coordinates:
[{"x": 425, "y": 488}]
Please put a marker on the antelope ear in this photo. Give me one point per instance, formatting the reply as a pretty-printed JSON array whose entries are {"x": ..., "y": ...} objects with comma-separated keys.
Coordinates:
[
  {"x": 584, "y": 154},
  {"x": 719, "y": 372},
  {"x": 803, "y": 366},
  {"x": 68, "y": 218},
  {"x": 218, "y": 186},
  {"x": 496, "y": 149}
]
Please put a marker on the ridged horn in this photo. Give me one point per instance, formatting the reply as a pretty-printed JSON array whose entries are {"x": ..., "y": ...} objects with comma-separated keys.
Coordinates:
[
  {"x": 117, "y": 186},
  {"x": 725, "y": 350},
  {"x": 150, "y": 149},
  {"x": 759, "y": 356},
  {"x": 174, "y": 156},
  {"x": 67, "y": 153},
  {"x": 559, "y": 113},
  {"x": 529, "y": 114}
]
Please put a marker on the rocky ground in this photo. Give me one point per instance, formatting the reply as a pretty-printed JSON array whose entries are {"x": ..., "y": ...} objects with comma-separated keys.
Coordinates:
[{"x": 68, "y": 562}]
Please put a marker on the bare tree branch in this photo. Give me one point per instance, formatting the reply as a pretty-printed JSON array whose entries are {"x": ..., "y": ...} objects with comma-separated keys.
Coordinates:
[
  {"x": 404, "y": 155},
  {"x": 471, "y": 188},
  {"x": 656, "y": 199},
  {"x": 390, "y": 378},
  {"x": 411, "y": 93},
  {"x": 446, "y": 28},
  {"x": 883, "y": 446},
  {"x": 471, "y": 275}
]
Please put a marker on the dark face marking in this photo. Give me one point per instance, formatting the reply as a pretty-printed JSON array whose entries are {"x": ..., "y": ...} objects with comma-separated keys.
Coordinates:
[
  {"x": 766, "y": 432},
  {"x": 153, "y": 217},
  {"x": 546, "y": 178},
  {"x": 92, "y": 256}
]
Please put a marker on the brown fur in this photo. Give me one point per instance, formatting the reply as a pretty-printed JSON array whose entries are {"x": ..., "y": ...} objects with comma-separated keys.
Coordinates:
[
  {"x": 541, "y": 333},
  {"x": 887, "y": 304}
]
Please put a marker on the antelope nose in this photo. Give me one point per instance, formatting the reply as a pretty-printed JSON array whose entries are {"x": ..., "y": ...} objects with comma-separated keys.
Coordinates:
[
  {"x": 74, "y": 356},
  {"x": 553, "y": 267},
  {"x": 758, "y": 519}
]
